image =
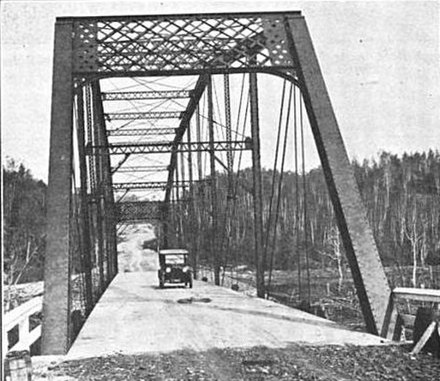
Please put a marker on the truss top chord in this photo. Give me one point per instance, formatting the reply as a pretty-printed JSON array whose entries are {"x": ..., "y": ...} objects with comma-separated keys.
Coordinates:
[{"x": 178, "y": 16}]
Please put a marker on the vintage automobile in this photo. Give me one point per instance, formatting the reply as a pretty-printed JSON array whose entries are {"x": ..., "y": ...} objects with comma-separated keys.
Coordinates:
[{"x": 174, "y": 267}]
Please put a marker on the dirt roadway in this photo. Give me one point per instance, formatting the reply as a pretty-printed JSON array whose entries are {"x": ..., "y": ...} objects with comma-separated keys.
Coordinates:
[{"x": 131, "y": 256}]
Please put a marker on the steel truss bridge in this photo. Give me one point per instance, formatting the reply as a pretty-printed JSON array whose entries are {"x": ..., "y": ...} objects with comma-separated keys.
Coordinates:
[{"x": 88, "y": 160}]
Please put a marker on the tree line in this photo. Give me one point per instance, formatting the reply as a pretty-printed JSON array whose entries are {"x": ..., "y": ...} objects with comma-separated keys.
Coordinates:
[
  {"x": 24, "y": 224},
  {"x": 401, "y": 195}
]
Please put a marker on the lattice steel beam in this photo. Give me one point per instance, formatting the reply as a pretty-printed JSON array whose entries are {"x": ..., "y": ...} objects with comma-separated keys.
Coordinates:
[
  {"x": 167, "y": 147},
  {"x": 160, "y": 185},
  {"x": 138, "y": 210},
  {"x": 142, "y": 210},
  {"x": 144, "y": 115},
  {"x": 84, "y": 210},
  {"x": 184, "y": 43},
  {"x": 141, "y": 95},
  {"x": 140, "y": 169},
  {"x": 141, "y": 132}
]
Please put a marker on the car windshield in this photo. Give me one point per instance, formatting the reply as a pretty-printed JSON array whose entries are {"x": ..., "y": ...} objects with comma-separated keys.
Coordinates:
[{"x": 175, "y": 259}]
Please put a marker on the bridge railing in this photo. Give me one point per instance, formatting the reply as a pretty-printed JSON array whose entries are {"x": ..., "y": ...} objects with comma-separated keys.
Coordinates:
[
  {"x": 20, "y": 317},
  {"x": 406, "y": 322},
  {"x": 418, "y": 294}
]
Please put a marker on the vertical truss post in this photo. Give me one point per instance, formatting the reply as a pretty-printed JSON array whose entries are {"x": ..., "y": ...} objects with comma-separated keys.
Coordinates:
[
  {"x": 165, "y": 216},
  {"x": 257, "y": 190},
  {"x": 109, "y": 214},
  {"x": 184, "y": 197},
  {"x": 182, "y": 172},
  {"x": 228, "y": 134},
  {"x": 177, "y": 204},
  {"x": 192, "y": 214},
  {"x": 200, "y": 186},
  {"x": 199, "y": 139},
  {"x": 85, "y": 219},
  {"x": 229, "y": 161},
  {"x": 213, "y": 182},
  {"x": 92, "y": 175},
  {"x": 368, "y": 274},
  {"x": 99, "y": 120},
  {"x": 172, "y": 218},
  {"x": 100, "y": 237},
  {"x": 90, "y": 137},
  {"x": 56, "y": 305},
  {"x": 98, "y": 195}
]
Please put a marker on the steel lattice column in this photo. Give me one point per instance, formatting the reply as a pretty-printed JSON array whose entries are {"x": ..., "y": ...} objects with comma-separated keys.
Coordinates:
[
  {"x": 99, "y": 192},
  {"x": 85, "y": 215},
  {"x": 108, "y": 210}
]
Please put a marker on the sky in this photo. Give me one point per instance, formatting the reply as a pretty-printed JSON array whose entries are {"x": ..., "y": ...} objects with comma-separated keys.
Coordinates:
[{"x": 380, "y": 61}]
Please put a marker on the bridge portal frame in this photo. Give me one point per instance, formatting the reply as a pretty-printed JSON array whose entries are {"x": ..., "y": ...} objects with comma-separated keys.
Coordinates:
[{"x": 88, "y": 49}]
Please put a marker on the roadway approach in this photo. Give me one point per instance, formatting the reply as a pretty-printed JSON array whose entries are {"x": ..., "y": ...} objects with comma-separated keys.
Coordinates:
[{"x": 135, "y": 316}]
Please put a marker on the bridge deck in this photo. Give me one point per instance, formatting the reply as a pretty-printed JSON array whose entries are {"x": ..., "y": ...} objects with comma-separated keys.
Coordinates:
[{"x": 135, "y": 316}]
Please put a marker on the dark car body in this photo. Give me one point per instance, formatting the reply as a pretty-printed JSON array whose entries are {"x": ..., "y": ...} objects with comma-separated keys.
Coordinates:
[{"x": 174, "y": 267}]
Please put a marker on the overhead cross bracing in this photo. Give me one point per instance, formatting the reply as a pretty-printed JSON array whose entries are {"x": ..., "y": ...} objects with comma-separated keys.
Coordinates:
[
  {"x": 138, "y": 210},
  {"x": 217, "y": 80},
  {"x": 168, "y": 147},
  {"x": 150, "y": 185},
  {"x": 150, "y": 168},
  {"x": 142, "y": 95},
  {"x": 145, "y": 115},
  {"x": 141, "y": 132}
]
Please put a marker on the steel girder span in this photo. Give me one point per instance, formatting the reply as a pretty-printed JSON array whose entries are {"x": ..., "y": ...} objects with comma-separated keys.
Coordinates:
[{"x": 82, "y": 214}]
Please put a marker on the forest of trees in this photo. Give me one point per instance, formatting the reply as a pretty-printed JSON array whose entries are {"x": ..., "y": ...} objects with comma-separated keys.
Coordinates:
[
  {"x": 24, "y": 224},
  {"x": 402, "y": 197},
  {"x": 401, "y": 194}
]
